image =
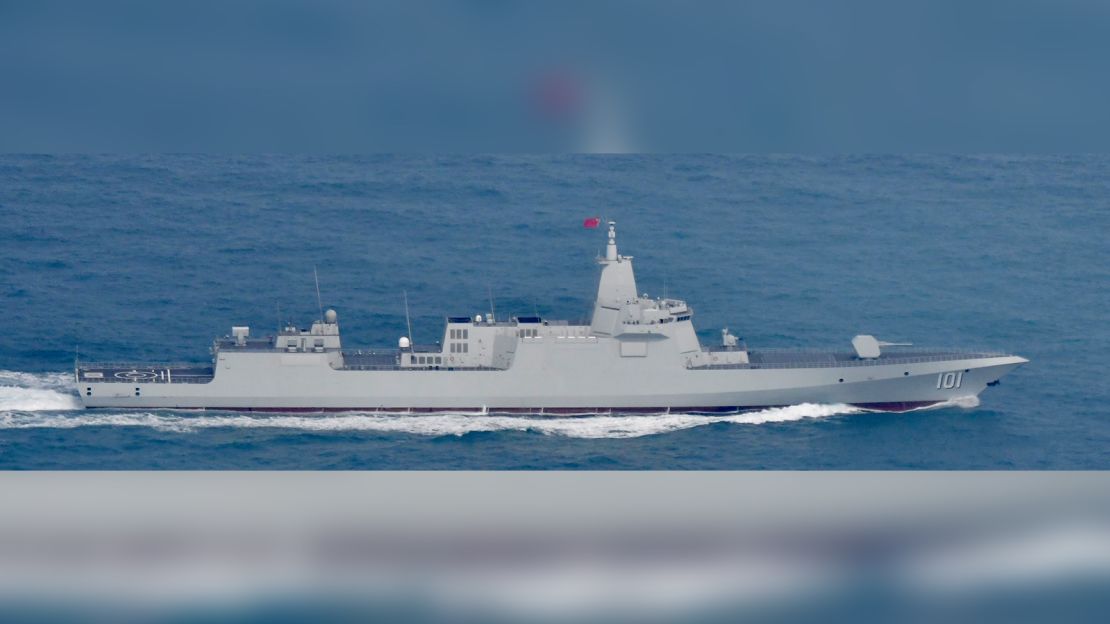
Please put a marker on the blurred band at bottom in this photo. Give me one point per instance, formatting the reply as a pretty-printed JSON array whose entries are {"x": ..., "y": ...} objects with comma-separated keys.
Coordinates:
[{"x": 555, "y": 547}]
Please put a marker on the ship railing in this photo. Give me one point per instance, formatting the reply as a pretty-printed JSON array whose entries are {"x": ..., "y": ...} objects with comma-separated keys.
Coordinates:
[
  {"x": 839, "y": 363},
  {"x": 391, "y": 355},
  {"x": 394, "y": 367},
  {"x": 140, "y": 366},
  {"x": 887, "y": 350},
  {"x": 740, "y": 346}
]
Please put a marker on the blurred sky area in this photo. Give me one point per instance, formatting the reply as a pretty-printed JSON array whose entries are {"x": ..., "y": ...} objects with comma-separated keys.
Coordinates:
[{"x": 496, "y": 75}]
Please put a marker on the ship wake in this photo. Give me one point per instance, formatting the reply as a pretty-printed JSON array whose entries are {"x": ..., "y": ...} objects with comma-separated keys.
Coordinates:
[{"x": 37, "y": 392}]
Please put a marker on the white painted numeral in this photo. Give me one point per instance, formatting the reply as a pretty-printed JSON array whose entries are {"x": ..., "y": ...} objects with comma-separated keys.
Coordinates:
[{"x": 949, "y": 381}]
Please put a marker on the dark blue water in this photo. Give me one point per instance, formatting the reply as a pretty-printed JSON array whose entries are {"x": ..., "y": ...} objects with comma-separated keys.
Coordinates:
[{"x": 149, "y": 257}]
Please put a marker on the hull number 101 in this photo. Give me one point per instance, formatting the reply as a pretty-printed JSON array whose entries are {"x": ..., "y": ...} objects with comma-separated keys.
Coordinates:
[{"x": 947, "y": 381}]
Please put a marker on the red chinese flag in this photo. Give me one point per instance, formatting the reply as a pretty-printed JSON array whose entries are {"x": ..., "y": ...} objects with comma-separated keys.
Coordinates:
[{"x": 591, "y": 222}]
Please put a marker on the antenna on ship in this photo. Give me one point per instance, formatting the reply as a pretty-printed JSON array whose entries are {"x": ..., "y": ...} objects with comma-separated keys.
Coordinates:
[
  {"x": 489, "y": 291},
  {"x": 408, "y": 321},
  {"x": 319, "y": 302}
]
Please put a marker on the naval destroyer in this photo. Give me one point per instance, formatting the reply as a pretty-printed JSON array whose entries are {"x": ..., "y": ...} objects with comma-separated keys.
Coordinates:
[{"x": 637, "y": 354}]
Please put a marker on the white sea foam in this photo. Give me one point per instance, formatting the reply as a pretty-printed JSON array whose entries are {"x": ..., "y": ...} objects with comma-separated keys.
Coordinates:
[
  {"x": 36, "y": 392},
  {"x": 967, "y": 402},
  {"x": 447, "y": 424}
]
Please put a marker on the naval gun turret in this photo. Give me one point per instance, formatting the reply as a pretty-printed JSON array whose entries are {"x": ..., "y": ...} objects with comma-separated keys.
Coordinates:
[{"x": 869, "y": 348}]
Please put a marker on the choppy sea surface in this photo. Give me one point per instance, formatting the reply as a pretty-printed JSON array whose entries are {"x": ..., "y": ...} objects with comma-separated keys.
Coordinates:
[{"x": 149, "y": 257}]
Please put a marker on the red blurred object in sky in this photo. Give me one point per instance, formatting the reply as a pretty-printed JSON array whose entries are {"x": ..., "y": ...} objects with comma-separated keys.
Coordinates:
[
  {"x": 558, "y": 95},
  {"x": 591, "y": 222}
]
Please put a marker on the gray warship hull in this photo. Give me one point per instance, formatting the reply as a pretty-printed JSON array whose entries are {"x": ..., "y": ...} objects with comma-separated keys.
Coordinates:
[
  {"x": 895, "y": 383},
  {"x": 637, "y": 355}
]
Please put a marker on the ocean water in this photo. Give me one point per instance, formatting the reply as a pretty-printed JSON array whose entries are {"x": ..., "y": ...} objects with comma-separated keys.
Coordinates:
[{"x": 149, "y": 257}]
